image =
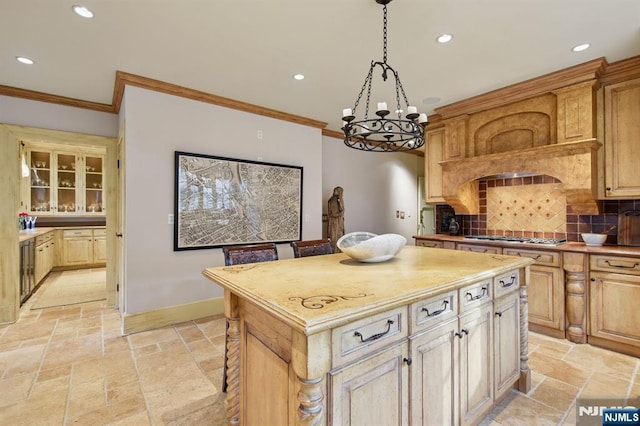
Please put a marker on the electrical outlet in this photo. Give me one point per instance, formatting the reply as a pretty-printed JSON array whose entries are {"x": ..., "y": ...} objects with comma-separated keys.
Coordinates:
[
  {"x": 259, "y": 134},
  {"x": 170, "y": 219}
]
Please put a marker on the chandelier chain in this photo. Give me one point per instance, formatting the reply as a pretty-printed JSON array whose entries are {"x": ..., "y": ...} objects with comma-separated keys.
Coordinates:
[{"x": 384, "y": 35}]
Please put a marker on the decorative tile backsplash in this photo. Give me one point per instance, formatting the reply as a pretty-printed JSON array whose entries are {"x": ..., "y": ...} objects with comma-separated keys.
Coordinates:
[
  {"x": 526, "y": 208},
  {"x": 533, "y": 206}
]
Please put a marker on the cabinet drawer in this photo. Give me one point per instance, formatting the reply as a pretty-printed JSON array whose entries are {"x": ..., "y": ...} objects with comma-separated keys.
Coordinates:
[
  {"x": 430, "y": 243},
  {"x": 505, "y": 284},
  {"x": 368, "y": 335},
  {"x": 476, "y": 248},
  {"x": 99, "y": 232},
  {"x": 474, "y": 295},
  {"x": 618, "y": 264},
  {"x": 542, "y": 257},
  {"x": 433, "y": 311},
  {"x": 70, "y": 233},
  {"x": 45, "y": 238}
]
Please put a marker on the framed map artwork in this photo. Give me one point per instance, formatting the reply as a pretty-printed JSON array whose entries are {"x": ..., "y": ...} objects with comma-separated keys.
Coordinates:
[{"x": 222, "y": 201}]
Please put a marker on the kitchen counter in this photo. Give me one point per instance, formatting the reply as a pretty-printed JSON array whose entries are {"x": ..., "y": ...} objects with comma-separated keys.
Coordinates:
[
  {"x": 577, "y": 247},
  {"x": 27, "y": 234},
  {"x": 290, "y": 316}
]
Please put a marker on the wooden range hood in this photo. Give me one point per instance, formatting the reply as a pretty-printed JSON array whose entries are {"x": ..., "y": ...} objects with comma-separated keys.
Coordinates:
[
  {"x": 573, "y": 163},
  {"x": 544, "y": 126}
]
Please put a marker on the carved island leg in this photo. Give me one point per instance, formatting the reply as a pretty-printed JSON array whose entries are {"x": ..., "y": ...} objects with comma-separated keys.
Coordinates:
[
  {"x": 524, "y": 382},
  {"x": 311, "y": 399},
  {"x": 233, "y": 371}
]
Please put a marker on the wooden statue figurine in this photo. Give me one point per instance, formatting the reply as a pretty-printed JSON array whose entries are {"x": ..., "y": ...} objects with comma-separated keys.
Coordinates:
[{"x": 335, "y": 212}]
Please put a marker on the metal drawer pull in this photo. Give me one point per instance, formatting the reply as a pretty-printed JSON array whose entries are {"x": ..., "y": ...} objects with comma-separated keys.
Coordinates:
[
  {"x": 504, "y": 285},
  {"x": 478, "y": 296},
  {"x": 438, "y": 312},
  {"x": 463, "y": 331},
  {"x": 375, "y": 336},
  {"x": 532, "y": 257},
  {"x": 622, "y": 266}
]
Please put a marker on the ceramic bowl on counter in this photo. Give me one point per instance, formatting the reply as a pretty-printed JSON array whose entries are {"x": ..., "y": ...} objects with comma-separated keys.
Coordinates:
[
  {"x": 369, "y": 247},
  {"x": 594, "y": 240}
]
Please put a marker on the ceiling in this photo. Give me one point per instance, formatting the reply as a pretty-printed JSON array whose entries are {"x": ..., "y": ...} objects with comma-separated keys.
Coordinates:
[{"x": 248, "y": 50}]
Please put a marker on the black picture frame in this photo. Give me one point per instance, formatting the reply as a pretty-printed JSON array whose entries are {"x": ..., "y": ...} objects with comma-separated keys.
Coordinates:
[{"x": 223, "y": 201}]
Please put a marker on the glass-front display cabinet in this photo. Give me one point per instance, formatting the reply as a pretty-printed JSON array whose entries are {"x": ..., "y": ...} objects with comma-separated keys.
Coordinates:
[{"x": 64, "y": 183}]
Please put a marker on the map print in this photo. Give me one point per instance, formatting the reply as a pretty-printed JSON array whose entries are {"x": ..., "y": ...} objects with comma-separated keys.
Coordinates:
[{"x": 222, "y": 201}]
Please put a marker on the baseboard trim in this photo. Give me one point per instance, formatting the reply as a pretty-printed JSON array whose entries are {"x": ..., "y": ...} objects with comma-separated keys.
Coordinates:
[{"x": 148, "y": 320}]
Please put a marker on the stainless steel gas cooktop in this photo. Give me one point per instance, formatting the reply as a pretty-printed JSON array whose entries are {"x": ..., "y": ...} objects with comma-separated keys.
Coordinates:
[{"x": 529, "y": 240}]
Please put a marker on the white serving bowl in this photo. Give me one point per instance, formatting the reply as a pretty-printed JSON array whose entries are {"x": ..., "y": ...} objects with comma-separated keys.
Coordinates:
[
  {"x": 369, "y": 247},
  {"x": 594, "y": 240}
]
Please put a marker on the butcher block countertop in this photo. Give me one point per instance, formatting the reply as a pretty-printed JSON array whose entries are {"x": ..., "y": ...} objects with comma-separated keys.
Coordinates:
[
  {"x": 313, "y": 294},
  {"x": 569, "y": 246}
]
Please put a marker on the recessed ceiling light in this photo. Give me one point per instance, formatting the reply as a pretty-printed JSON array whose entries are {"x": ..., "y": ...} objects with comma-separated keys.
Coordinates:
[
  {"x": 25, "y": 60},
  {"x": 444, "y": 38},
  {"x": 298, "y": 76},
  {"x": 580, "y": 47},
  {"x": 83, "y": 11}
]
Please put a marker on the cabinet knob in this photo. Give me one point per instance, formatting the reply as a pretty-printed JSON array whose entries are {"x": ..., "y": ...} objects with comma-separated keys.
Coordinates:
[
  {"x": 593, "y": 279},
  {"x": 408, "y": 361}
]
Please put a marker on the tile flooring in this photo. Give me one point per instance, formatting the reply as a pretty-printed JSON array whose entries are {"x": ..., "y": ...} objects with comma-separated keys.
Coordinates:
[{"x": 69, "y": 365}]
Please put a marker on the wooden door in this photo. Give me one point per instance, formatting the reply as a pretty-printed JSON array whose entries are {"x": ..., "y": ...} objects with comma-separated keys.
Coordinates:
[
  {"x": 622, "y": 139},
  {"x": 434, "y": 376},
  {"x": 546, "y": 297},
  {"x": 476, "y": 363},
  {"x": 614, "y": 313},
  {"x": 374, "y": 391},
  {"x": 434, "y": 146},
  {"x": 506, "y": 338}
]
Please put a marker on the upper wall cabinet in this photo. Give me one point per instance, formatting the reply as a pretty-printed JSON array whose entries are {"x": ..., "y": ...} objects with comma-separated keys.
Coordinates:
[
  {"x": 64, "y": 183},
  {"x": 622, "y": 139}
]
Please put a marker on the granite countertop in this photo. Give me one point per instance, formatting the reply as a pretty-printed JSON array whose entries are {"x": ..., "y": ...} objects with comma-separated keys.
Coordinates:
[
  {"x": 28, "y": 234},
  {"x": 316, "y": 293},
  {"x": 569, "y": 246}
]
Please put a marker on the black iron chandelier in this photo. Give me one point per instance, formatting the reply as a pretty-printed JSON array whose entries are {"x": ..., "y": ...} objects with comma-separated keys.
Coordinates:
[{"x": 388, "y": 131}]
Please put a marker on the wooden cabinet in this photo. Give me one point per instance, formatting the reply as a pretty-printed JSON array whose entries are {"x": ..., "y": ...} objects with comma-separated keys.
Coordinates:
[
  {"x": 546, "y": 291},
  {"x": 430, "y": 243},
  {"x": 506, "y": 339},
  {"x": 373, "y": 389},
  {"x": 434, "y": 147},
  {"x": 622, "y": 139},
  {"x": 614, "y": 291},
  {"x": 83, "y": 247},
  {"x": 44, "y": 256},
  {"x": 478, "y": 248},
  {"x": 64, "y": 183}
]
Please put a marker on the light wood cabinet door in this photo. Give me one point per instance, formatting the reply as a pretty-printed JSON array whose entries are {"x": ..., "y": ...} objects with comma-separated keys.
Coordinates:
[
  {"x": 434, "y": 146},
  {"x": 434, "y": 376},
  {"x": 506, "y": 339},
  {"x": 100, "y": 249},
  {"x": 622, "y": 139},
  {"x": 614, "y": 313},
  {"x": 372, "y": 391},
  {"x": 476, "y": 363},
  {"x": 78, "y": 250},
  {"x": 546, "y": 297}
]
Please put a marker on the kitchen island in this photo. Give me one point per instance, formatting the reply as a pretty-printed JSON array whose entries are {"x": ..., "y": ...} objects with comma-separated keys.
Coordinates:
[{"x": 428, "y": 337}]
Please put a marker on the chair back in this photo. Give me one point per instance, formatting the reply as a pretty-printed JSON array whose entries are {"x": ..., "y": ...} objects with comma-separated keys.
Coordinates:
[
  {"x": 249, "y": 253},
  {"x": 312, "y": 247}
]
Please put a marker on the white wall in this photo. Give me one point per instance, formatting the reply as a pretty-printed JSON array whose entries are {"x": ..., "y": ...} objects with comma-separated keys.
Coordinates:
[
  {"x": 375, "y": 184},
  {"x": 157, "y": 125},
  {"x": 23, "y": 112}
]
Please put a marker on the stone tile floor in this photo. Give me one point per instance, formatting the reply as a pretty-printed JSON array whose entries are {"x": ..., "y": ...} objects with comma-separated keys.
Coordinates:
[{"x": 70, "y": 365}]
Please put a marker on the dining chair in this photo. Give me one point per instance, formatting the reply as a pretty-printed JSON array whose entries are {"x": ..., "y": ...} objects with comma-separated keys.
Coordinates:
[
  {"x": 238, "y": 255},
  {"x": 312, "y": 247}
]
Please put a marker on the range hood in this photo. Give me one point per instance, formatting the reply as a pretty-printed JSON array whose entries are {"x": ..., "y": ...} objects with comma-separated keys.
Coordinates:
[{"x": 572, "y": 163}]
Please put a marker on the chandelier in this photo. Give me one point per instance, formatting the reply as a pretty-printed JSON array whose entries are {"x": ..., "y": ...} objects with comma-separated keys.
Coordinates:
[{"x": 387, "y": 131}]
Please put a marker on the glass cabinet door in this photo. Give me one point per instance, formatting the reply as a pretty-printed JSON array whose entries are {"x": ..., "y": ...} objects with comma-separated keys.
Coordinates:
[
  {"x": 66, "y": 182},
  {"x": 40, "y": 185},
  {"x": 94, "y": 179}
]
